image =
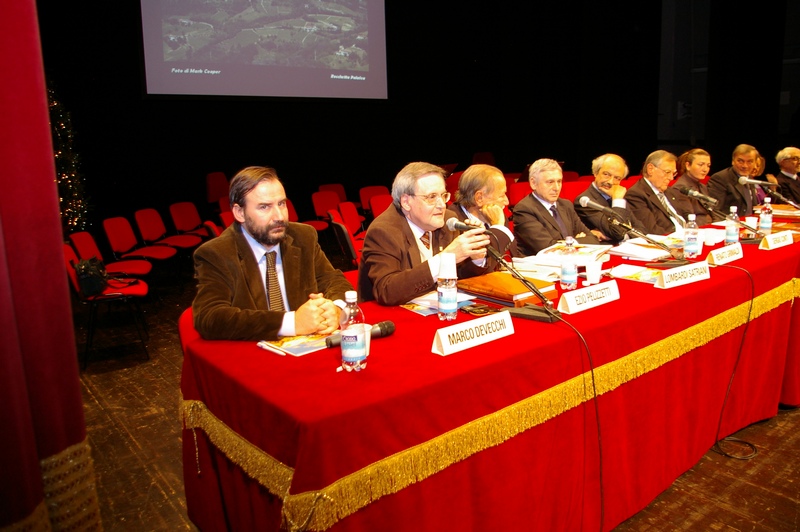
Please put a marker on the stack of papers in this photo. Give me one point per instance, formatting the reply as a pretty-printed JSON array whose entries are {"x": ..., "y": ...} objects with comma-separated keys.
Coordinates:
[{"x": 553, "y": 256}]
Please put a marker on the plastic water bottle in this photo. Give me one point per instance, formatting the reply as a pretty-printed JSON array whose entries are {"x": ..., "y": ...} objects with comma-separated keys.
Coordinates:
[
  {"x": 569, "y": 268},
  {"x": 447, "y": 288},
  {"x": 765, "y": 218},
  {"x": 354, "y": 336},
  {"x": 732, "y": 227},
  {"x": 691, "y": 238}
]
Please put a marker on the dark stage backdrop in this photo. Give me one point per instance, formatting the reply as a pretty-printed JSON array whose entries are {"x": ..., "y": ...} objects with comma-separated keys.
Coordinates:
[{"x": 569, "y": 81}]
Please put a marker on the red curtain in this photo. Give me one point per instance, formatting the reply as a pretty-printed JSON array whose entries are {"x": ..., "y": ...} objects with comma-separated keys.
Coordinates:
[{"x": 48, "y": 478}]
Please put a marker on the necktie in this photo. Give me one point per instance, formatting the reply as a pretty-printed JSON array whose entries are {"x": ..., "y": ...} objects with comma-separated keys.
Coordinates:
[
  {"x": 275, "y": 299},
  {"x": 426, "y": 240},
  {"x": 559, "y": 221},
  {"x": 676, "y": 220}
]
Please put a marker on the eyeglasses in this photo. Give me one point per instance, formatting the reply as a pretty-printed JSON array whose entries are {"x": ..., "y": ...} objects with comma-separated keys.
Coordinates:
[
  {"x": 431, "y": 199},
  {"x": 795, "y": 159},
  {"x": 673, "y": 174},
  {"x": 612, "y": 176}
]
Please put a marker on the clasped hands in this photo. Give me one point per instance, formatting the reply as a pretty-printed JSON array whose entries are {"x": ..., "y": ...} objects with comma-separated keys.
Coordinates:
[
  {"x": 318, "y": 315},
  {"x": 469, "y": 244}
]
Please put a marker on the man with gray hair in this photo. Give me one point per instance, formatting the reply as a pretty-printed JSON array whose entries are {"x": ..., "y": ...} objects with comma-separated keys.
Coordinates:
[
  {"x": 724, "y": 185},
  {"x": 542, "y": 219},
  {"x": 789, "y": 161},
  {"x": 608, "y": 170},
  {"x": 400, "y": 259},
  {"x": 651, "y": 200}
]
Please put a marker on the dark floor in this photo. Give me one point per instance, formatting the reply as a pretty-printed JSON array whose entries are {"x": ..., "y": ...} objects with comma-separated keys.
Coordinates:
[{"x": 134, "y": 428}]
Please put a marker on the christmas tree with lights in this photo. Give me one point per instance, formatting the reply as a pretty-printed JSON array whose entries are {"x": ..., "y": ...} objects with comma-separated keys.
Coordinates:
[{"x": 72, "y": 200}]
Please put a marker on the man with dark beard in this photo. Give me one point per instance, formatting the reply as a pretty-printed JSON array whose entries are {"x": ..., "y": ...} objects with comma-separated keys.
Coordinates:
[{"x": 264, "y": 276}]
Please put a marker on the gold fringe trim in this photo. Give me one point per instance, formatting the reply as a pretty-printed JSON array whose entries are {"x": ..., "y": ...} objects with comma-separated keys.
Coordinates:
[
  {"x": 70, "y": 490},
  {"x": 37, "y": 521},
  {"x": 267, "y": 471},
  {"x": 319, "y": 510}
]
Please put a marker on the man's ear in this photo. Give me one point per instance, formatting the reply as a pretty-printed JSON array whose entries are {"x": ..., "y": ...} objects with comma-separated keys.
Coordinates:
[
  {"x": 238, "y": 212},
  {"x": 478, "y": 199},
  {"x": 405, "y": 202}
]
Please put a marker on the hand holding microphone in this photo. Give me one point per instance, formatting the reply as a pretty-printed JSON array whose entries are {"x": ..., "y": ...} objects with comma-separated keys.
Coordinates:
[{"x": 472, "y": 244}]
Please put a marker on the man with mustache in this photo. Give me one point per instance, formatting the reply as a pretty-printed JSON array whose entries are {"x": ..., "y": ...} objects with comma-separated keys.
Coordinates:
[
  {"x": 608, "y": 170},
  {"x": 237, "y": 296}
]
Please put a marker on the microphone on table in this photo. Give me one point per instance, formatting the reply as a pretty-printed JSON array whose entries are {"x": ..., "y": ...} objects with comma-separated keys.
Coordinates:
[
  {"x": 744, "y": 181},
  {"x": 545, "y": 313},
  {"x": 695, "y": 194},
  {"x": 780, "y": 197},
  {"x": 454, "y": 224},
  {"x": 379, "y": 330},
  {"x": 586, "y": 202}
]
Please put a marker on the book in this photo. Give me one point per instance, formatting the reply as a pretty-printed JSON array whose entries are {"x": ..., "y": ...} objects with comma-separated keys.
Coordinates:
[
  {"x": 295, "y": 345},
  {"x": 504, "y": 289}
]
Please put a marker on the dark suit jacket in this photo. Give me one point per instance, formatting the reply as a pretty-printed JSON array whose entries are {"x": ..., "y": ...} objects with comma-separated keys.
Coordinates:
[
  {"x": 598, "y": 220},
  {"x": 391, "y": 269},
  {"x": 648, "y": 209},
  {"x": 788, "y": 187},
  {"x": 231, "y": 302},
  {"x": 499, "y": 240},
  {"x": 724, "y": 186},
  {"x": 536, "y": 229},
  {"x": 689, "y": 205}
]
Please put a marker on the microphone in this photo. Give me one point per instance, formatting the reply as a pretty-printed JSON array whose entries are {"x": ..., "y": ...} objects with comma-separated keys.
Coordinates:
[
  {"x": 780, "y": 197},
  {"x": 586, "y": 202},
  {"x": 745, "y": 181},
  {"x": 695, "y": 194},
  {"x": 379, "y": 330},
  {"x": 454, "y": 224}
]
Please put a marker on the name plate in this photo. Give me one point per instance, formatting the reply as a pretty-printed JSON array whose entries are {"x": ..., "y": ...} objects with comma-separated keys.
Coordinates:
[
  {"x": 776, "y": 240},
  {"x": 455, "y": 338},
  {"x": 589, "y": 297},
  {"x": 725, "y": 254},
  {"x": 683, "y": 275}
]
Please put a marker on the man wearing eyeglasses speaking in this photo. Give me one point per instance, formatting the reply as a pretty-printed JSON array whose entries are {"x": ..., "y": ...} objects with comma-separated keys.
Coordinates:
[
  {"x": 653, "y": 203},
  {"x": 400, "y": 259}
]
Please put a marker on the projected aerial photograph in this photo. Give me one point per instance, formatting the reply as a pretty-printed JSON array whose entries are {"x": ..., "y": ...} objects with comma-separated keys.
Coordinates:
[{"x": 292, "y": 33}]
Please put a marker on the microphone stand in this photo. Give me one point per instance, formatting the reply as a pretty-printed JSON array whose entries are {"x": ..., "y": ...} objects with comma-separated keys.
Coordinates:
[
  {"x": 674, "y": 261},
  {"x": 546, "y": 313},
  {"x": 780, "y": 197}
]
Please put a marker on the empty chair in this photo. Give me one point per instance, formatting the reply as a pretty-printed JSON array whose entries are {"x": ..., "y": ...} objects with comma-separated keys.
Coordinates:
[
  {"x": 319, "y": 225},
  {"x": 352, "y": 220},
  {"x": 186, "y": 219},
  {"x": 517, "y": 191},
  {"x": 365, "y": 193},
  {"x": 124, "y": 244},
  {"x": 126, "y": 291},
  {"x": 216, "y": 186},
  {"x": 379, "y": 203},
  {"x": 323, "y": 201},
  {"x": 213, "y": 229},
  {"x": 569, "y": 175},
  {"x": 335, "y": 216},
  {"x": 226, "y": 217},
  {"x": 84, "y": 243},
  {"x": 346, "y": 243},
  {"x": 153, "y": 231},
  {"x": 335, "y": 187}
]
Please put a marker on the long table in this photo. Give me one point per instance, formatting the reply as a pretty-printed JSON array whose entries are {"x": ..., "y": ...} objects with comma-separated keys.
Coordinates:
[{"x": 508, "y": 434}]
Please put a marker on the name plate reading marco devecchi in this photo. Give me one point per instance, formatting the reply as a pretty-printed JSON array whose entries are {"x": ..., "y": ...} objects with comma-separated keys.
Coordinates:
[{"x": 455, "y": 338}]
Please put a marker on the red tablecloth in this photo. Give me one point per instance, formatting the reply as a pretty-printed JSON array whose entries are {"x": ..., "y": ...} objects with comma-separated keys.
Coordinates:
[{"x": 502, "y": 435}]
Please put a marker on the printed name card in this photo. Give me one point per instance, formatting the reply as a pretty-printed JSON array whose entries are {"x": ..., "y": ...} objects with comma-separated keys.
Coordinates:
[
  {"x": 455, "y": 338},
  {"x": 776, "y": 240},
  {"x": 589, "y": 297},
  {"x": 725, "y": 254},
  {"x": 682, "y": 275}
]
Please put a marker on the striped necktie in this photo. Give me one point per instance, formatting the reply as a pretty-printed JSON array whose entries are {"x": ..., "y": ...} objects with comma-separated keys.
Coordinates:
[
  {"x": 426, "y": 240},
  {"x": 275, "y": 299}
]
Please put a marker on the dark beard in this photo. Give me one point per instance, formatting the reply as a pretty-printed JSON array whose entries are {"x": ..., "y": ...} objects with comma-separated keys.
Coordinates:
[{"x": 262, "y": 236}]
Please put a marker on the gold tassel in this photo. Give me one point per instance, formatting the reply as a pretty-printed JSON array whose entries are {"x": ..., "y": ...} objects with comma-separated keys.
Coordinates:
[{"x": 70, "y": 490}]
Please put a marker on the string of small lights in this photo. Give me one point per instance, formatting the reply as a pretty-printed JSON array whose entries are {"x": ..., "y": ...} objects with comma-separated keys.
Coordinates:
[{"x": 72, "y": 199}]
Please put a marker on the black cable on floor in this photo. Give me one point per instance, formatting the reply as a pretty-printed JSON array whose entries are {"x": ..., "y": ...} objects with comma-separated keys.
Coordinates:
[{"x": 717, "y": 447}]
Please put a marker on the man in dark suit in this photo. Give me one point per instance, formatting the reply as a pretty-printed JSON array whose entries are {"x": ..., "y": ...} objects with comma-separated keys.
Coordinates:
[
  {"x": 235, "y": 299},
  {"x": 481, "y": 196},
  {"x": 608, "y": 171},
  {"x": 789, "y": 161},
  {"x": 650, "y": 198},
  {"x": 541, "y": 219},
  {"x": 400, "y": 259},
  {"x": 724, "y": 185}
]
